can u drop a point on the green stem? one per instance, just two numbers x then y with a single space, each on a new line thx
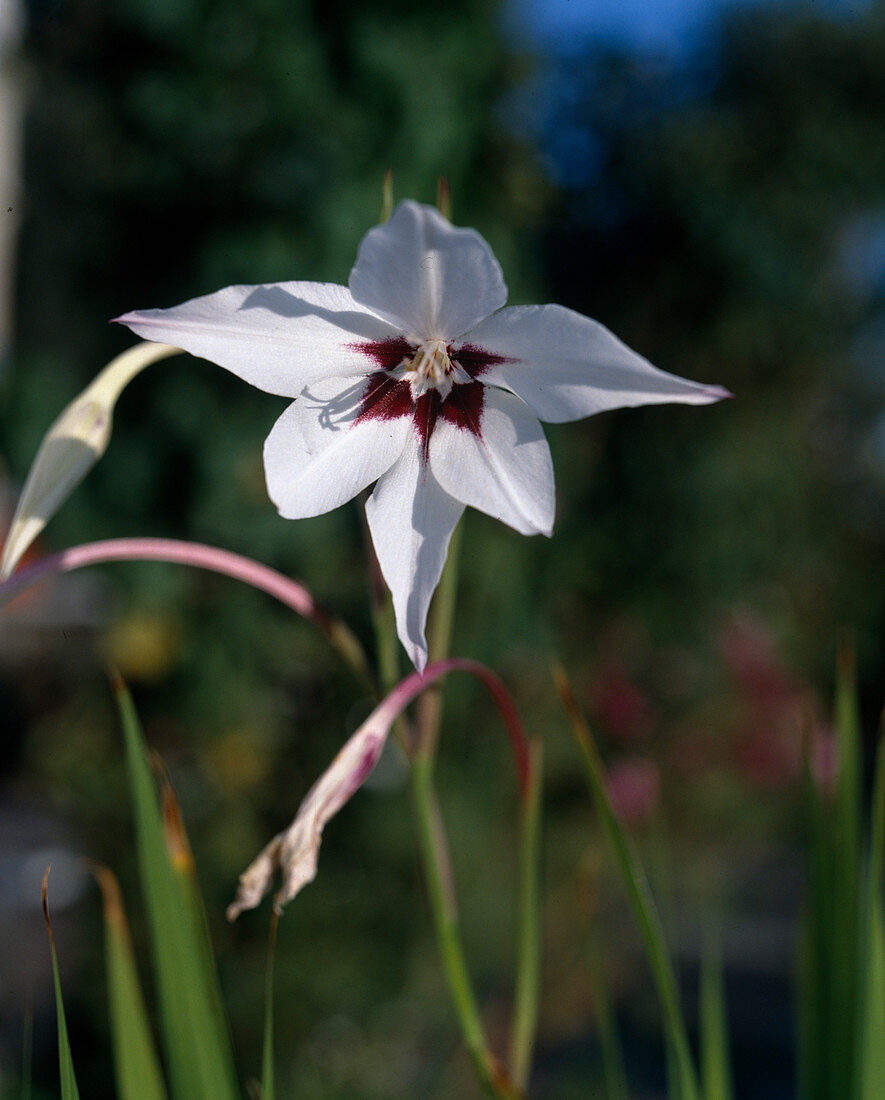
442 903
420 747
684 1084
528 955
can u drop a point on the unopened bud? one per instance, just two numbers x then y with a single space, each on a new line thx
71 447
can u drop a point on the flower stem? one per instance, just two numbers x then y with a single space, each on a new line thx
282 588
683 1079
434 857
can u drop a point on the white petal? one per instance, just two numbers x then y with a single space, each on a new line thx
566 366
429 278
278 337
506 471
411 520
318 456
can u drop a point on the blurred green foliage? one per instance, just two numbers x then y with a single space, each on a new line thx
719 217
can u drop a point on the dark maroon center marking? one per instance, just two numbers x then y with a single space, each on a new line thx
385 398
476 360
385 354
388 398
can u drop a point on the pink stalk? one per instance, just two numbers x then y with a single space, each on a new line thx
211 558
412 686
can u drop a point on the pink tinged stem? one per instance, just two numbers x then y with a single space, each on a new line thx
295 851
414 684
211 558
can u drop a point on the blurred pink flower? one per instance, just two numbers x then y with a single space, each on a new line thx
619 706
824 759
634 787
767 758
773 705
751 657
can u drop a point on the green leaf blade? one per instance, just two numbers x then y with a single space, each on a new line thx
195 1038
67 1077
715 1061
136 1063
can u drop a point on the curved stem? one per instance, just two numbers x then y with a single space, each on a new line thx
291 593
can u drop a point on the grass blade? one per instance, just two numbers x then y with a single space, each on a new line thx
196 1042
67 1077
184 872
847 944
814 1054
715 1062
872 1039
683 1084
135 1059
837 949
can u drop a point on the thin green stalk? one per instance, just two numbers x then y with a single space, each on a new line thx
386 643
420 747
445 917
815 994
528 955
715 1060
871 1030
684 1080
848 943
67 1077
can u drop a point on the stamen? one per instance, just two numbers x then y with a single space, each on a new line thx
431 368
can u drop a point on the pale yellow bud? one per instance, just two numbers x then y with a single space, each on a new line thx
71 447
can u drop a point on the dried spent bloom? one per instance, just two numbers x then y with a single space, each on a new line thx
414 377
294 853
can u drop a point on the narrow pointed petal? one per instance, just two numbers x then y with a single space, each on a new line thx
411 520
322 451
71 447
279 337
426 276
566 366
499 464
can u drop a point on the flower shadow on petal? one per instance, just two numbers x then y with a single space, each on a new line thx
339 413
283 304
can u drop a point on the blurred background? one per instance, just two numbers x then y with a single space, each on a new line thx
706 179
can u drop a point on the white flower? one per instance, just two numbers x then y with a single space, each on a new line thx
414 377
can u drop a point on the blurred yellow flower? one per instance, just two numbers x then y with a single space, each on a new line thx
142 645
